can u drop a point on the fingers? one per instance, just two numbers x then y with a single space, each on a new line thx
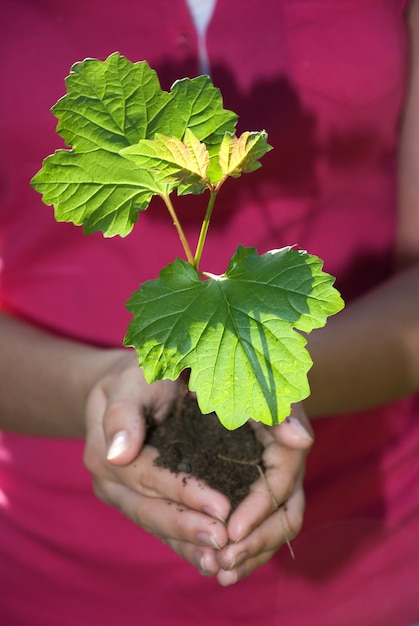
284 467
238 560
144 477
272 513
192 535
139 491
200 556
165 518
285 449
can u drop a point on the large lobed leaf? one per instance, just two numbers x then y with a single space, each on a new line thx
238 333
109 106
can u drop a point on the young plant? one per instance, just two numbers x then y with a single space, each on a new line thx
240 333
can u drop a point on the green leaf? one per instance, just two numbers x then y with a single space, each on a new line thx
196 104
241 154
105 193
238 333
109 106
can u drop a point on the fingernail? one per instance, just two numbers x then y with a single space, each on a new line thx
208 540
200 562
298 427
118 445
230 578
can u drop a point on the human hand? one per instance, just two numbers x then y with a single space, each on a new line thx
188 518
272 514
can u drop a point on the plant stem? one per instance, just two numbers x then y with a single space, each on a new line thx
179 229
204 228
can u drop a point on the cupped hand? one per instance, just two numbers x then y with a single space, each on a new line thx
272 514
187 516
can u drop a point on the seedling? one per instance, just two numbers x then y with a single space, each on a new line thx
240 335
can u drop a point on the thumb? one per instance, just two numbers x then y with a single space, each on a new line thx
296 431
123 423
124 445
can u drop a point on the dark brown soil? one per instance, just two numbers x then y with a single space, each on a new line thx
200 446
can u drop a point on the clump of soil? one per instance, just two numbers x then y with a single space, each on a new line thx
187 441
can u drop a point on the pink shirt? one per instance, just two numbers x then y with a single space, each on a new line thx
327 80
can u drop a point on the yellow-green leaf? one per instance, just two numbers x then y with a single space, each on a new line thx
241 154
173 160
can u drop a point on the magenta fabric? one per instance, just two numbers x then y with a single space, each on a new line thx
326 78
